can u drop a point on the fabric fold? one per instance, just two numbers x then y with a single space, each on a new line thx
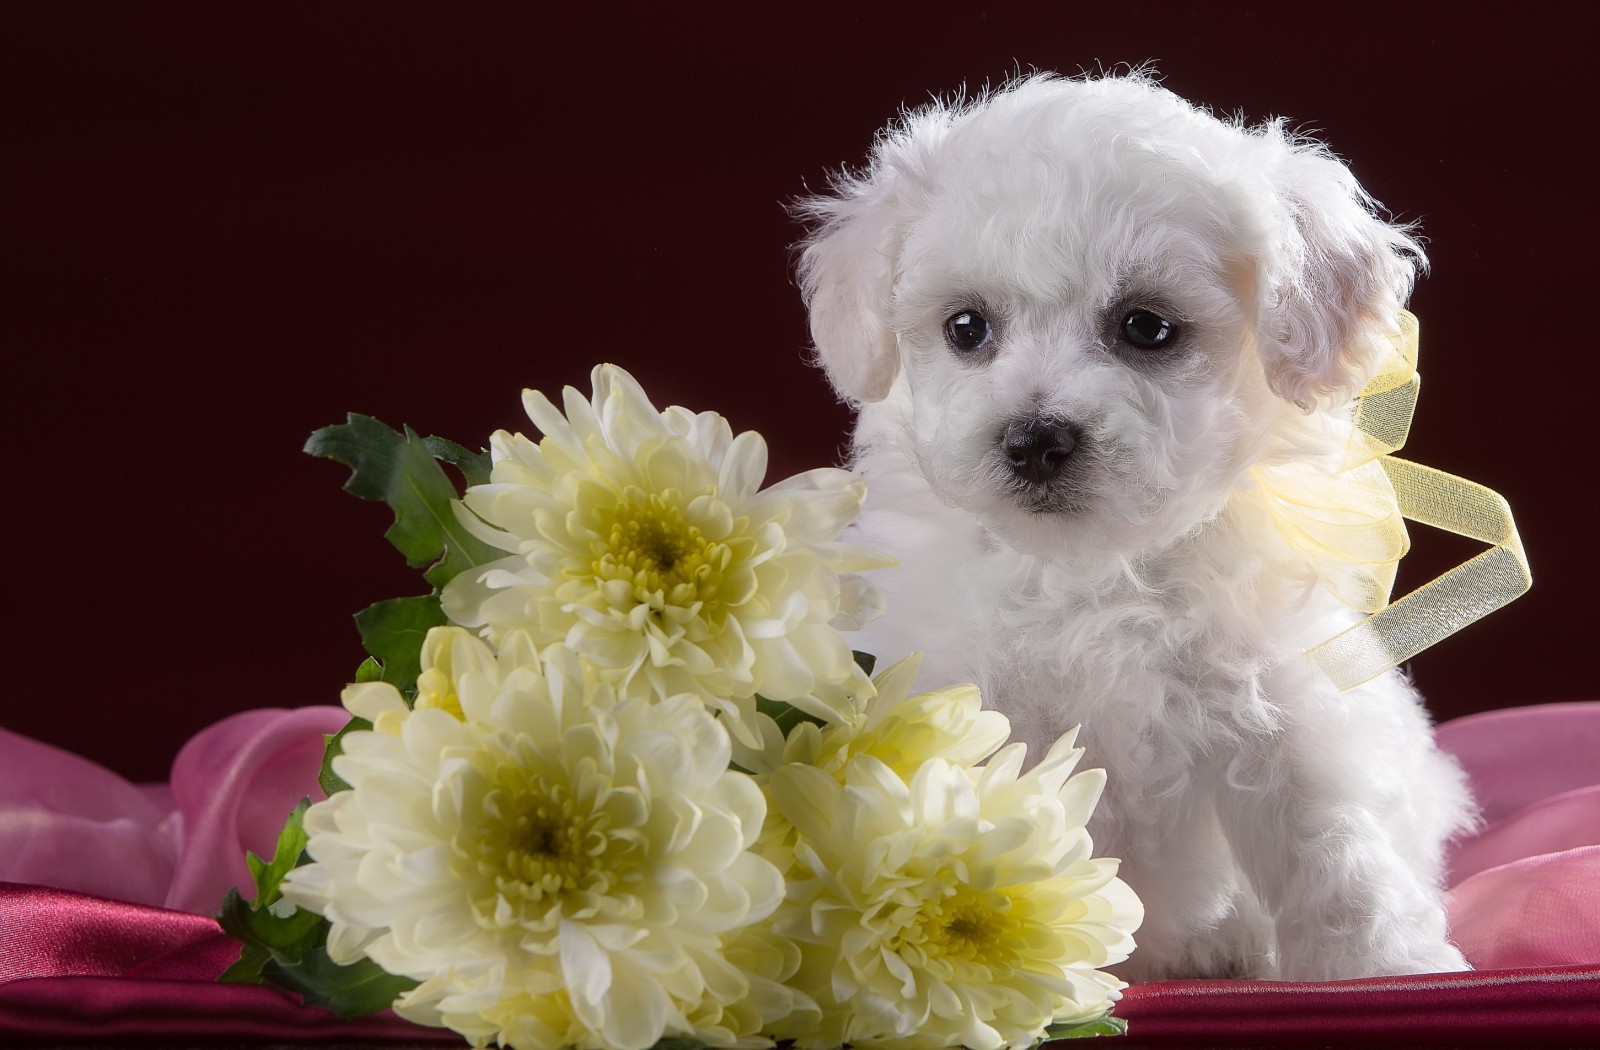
69 823
92 958
234 784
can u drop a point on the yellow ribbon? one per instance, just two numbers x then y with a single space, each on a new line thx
1352 531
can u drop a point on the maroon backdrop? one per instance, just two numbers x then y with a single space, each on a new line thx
227 225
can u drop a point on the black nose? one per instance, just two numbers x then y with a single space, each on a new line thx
1037 449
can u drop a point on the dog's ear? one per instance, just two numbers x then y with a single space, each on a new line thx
847 271
1333 283
850 259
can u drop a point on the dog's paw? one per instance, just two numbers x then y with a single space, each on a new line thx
1331 964
1447 958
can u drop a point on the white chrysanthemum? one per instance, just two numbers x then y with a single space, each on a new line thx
880 719
557 867
959 908
640 539
884 720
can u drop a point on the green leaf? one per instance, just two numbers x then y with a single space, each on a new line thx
287 946
265 933
393 632
332 783
400 469
291 843
363 987
271 924
1105 1024
369 671
252 957
786 714
865 661
474 466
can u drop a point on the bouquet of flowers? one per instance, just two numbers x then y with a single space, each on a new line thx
620 781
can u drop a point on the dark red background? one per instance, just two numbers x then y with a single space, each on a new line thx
226 225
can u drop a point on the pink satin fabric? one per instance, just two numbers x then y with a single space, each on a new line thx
1524 903
1484 1008
89 971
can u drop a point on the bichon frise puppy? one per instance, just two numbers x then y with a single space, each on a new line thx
1078 318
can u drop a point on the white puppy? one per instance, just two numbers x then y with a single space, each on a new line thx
1077 317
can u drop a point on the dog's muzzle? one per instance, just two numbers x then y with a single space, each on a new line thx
1037 450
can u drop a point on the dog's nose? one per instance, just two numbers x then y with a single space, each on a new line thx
1037 449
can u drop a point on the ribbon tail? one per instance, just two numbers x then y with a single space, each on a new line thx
1442 607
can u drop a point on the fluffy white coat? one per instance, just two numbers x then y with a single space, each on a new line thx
1273 826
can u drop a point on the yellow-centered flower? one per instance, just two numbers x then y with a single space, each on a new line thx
642 541
880 719
954 907
557 867
885 720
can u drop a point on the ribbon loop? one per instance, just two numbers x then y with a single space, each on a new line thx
1384 409
1441 607
1396 631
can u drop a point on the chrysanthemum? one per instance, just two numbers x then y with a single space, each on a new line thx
959 907
557 867
883 719
878 718
640 539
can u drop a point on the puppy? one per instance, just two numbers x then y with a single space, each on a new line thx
1082 321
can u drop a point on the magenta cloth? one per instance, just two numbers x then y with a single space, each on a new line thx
1485 1008
87 971
77 967
1525 889
69 823
1517 756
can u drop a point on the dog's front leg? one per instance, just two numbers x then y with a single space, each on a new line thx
1313 826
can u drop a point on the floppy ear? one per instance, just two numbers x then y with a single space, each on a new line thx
850 259
1333 284
847 272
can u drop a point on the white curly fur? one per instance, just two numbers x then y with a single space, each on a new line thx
1273 826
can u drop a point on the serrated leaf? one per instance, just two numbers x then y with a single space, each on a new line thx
1105 1024
474 466
271 924
252 957
287 946
786 714
363 987
291 843
259 928
865 661
393 632
286 931
333 746
399 469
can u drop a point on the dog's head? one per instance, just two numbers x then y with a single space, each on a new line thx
1101 302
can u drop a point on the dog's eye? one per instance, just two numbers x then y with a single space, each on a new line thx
1148 331
967 332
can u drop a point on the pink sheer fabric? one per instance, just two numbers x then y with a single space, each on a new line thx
102 962
68 823
1525 889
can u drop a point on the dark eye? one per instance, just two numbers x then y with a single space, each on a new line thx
968 332
1148 331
